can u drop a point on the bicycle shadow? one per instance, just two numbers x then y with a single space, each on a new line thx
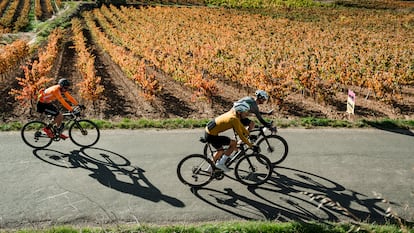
109 169
390 127
295 195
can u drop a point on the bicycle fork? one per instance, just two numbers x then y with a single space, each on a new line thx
83 131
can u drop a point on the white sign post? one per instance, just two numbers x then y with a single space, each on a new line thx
350 107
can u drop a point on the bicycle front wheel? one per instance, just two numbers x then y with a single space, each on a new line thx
274 147
84 133
33 135
195 170
253 169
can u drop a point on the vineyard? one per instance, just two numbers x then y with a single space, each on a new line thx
164 61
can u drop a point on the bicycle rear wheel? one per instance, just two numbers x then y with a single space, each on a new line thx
274 147
33 135
84 133
253 169
195 170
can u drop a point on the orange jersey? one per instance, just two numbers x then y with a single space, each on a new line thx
53 93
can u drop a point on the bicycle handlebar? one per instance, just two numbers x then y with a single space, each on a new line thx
273 129
75 112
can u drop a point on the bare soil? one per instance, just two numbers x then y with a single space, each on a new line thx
123 99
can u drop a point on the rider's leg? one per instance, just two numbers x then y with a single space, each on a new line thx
251 125
218 154
58 120
227 153
218 142
232 147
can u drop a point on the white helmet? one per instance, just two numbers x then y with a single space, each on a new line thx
260 94
241 107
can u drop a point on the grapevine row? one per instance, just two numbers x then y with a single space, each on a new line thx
134 67
23 18
90 87
11 56
7 19
195 76
41 13
37 74
3 6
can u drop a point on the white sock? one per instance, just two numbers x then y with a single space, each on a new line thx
223 159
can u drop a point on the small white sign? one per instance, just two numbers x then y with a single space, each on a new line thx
351 102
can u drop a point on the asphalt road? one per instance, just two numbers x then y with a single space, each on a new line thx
130 177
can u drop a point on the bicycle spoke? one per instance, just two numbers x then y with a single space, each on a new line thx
33 135
274 147
253 170
195 170
84 133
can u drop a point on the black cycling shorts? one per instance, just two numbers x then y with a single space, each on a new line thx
49 109
245 121
217 141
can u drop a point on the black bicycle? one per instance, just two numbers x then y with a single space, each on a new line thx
82 132
251 168
271 145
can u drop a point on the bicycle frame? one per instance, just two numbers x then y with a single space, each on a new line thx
70 117
261 134
241 150
240 153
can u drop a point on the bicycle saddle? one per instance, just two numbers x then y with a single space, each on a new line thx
203 140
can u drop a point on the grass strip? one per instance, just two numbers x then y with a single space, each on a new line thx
232 226
181 123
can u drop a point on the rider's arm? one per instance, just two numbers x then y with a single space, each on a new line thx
71 99
242 132
63 102
255 109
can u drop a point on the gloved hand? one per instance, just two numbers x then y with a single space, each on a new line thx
76 112
253 138
81 106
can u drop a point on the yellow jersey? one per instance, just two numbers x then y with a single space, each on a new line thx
227 121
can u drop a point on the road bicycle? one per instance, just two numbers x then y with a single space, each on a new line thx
251 168
82 132
271 145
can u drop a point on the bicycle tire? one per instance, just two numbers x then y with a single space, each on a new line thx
84 133
253 170
274 147
193 170
33 135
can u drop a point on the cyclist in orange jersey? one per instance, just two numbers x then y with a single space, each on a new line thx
44 105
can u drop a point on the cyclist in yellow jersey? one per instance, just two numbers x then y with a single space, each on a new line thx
228 120
44 104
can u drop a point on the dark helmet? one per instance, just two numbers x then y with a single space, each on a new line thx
64 82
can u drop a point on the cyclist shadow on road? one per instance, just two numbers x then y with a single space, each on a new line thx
108 168
294 195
